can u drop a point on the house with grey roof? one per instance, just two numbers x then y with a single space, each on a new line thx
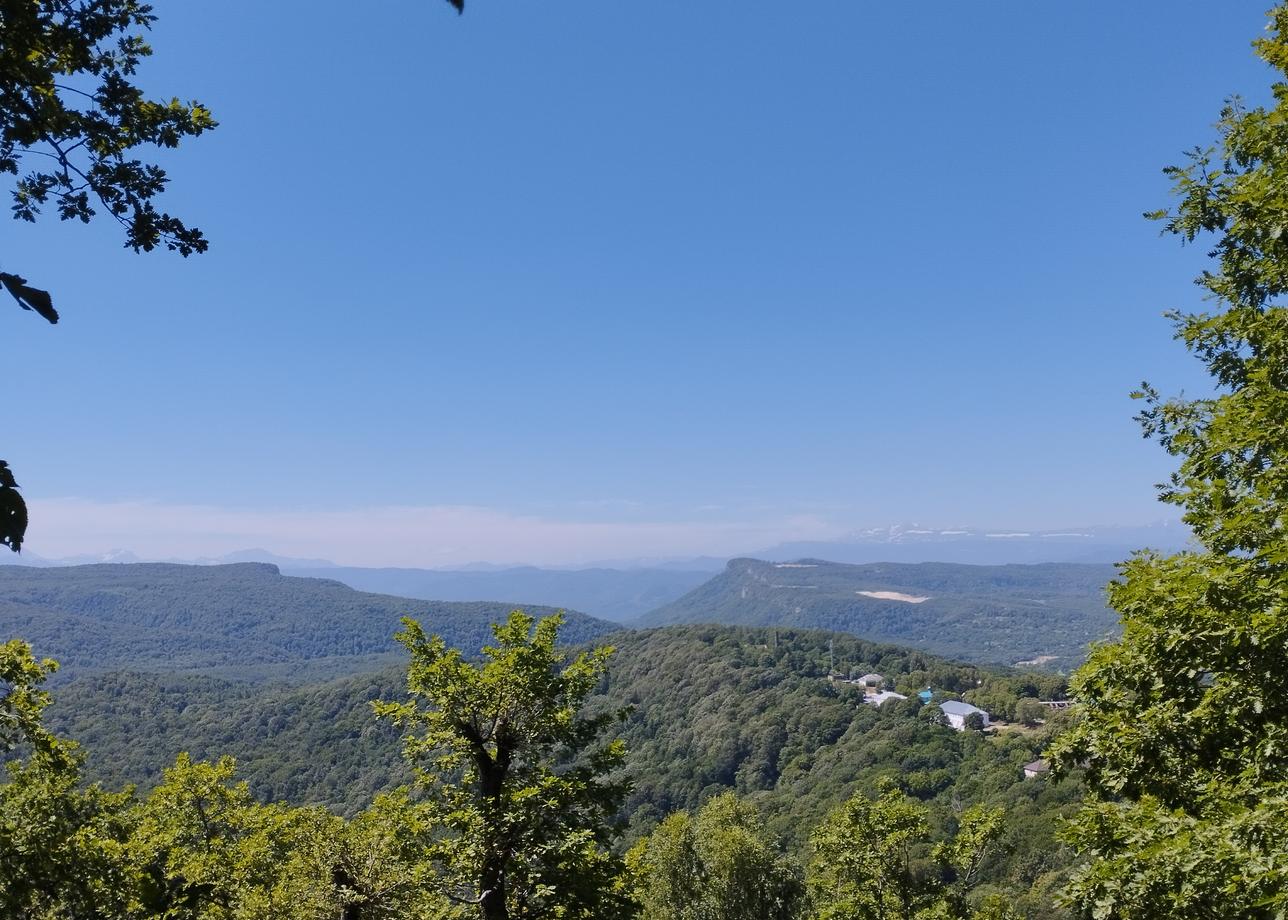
877 699
958 712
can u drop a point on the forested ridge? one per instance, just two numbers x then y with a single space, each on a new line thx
1004 614
244 620
249 621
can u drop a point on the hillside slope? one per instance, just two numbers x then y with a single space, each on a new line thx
614 594
245 620
712 709
995 614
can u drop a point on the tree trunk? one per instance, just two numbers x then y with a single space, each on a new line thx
492 906
492 889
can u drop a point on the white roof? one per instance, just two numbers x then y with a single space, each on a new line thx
956 708
877 699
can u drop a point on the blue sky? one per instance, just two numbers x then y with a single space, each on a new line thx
571 280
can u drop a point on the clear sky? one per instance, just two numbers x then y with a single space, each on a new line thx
565 280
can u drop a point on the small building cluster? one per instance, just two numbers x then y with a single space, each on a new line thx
871 685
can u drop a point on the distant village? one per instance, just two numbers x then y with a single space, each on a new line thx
957 715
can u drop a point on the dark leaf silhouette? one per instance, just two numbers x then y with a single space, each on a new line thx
13 510
29 298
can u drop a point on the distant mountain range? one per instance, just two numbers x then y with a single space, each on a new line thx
624 589
245 620
976 546
251 620
615 594
1036 615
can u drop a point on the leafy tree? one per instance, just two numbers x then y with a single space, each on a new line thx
205 848
72 120
868 861
379 865
22 700
862 860
517 783
1185 720
978 831
717 866
995 697
1030 711
62 845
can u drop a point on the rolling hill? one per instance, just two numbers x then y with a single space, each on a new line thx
1033 614
244 620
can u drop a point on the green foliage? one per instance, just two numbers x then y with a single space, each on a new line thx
516 778
1029 711
316 744
862 860
721 865
201 846
22 701
994 614
61 844
67 97
1185 727
713 710
64 847
203 843
870 861
978 830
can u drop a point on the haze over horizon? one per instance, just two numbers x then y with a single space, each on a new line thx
773 294
417 537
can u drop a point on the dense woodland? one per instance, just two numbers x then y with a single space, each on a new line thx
713 709
245 620
997 614
708 712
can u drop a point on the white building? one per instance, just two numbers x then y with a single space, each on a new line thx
877 699
871 680
957 713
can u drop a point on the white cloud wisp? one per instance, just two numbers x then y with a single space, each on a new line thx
429 536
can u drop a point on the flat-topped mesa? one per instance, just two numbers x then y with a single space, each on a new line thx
1044 614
